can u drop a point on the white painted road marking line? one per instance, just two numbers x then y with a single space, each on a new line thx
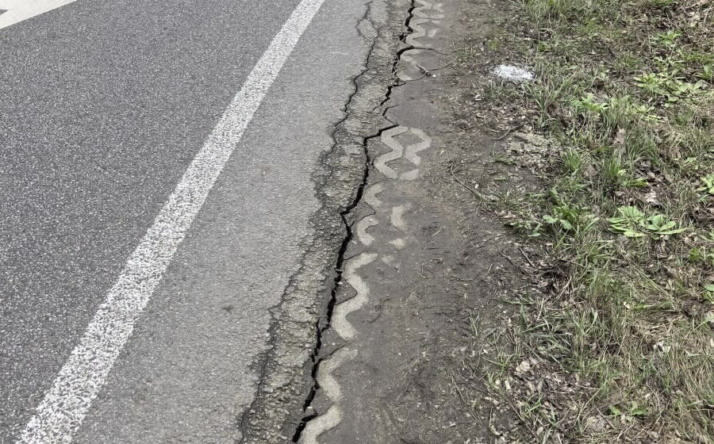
65 405
19 10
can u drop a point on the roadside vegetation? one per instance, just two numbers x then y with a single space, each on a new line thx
620 346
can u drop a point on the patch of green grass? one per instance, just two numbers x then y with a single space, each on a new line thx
627 88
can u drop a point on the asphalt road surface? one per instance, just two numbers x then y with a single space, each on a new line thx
155 183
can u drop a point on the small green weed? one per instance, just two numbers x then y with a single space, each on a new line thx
668 39
573 220
708 182
668 86
589 104
633 223
707 73
709 293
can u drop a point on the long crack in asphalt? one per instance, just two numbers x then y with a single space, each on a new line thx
318 357
289 370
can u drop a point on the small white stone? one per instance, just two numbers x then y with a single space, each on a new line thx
513 73
523 368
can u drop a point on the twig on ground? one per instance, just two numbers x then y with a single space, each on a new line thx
473 191
513 263
508 133
527 258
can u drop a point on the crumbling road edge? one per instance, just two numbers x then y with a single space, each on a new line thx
289 371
